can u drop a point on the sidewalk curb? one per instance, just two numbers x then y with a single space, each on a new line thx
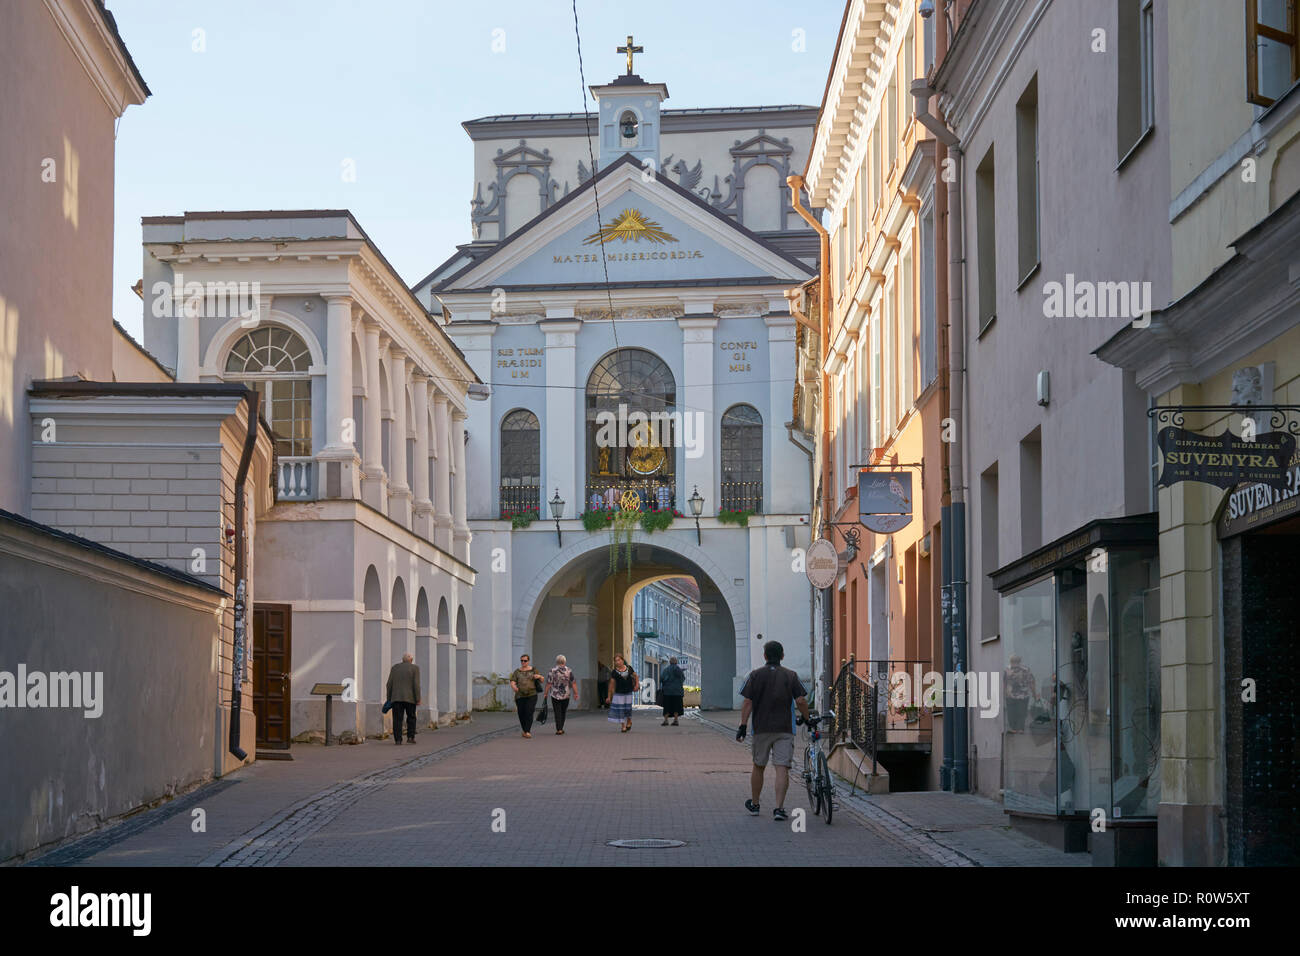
851 803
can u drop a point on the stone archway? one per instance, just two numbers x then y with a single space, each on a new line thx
665 555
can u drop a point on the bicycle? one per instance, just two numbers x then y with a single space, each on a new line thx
816 775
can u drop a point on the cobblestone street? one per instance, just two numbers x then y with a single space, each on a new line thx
563 799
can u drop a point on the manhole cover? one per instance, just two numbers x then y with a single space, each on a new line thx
643 758
645 844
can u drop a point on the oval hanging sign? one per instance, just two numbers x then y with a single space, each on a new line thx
821 563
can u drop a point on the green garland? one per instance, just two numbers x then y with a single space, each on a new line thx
739 518
657 520
597 519
621 528
520 519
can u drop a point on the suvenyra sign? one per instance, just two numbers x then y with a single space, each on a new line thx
1224 460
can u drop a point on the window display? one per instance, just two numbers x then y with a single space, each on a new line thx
1081 688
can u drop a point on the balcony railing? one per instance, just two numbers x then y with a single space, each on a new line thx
741 496
646 625
867 713
655 492
293 480
516 498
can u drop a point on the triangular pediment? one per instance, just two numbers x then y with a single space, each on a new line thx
653 230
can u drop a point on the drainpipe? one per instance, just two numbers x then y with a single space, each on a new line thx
811 452
955 772
252 399
796 183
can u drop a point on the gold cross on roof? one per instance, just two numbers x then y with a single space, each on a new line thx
629 50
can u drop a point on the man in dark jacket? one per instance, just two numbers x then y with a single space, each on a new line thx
404 694
672 683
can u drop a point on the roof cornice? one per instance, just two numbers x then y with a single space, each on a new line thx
90 31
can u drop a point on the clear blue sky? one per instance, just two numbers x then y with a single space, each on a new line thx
286 90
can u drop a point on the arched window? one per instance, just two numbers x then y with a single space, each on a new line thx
631 429
742 459
521 462
275 361
628 127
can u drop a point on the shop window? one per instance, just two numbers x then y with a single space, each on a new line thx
1081 688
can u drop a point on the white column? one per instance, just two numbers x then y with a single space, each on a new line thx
697 412
460 526
561 428
399 492
374 489
481 494
340 473
442 517
785 488
423 516
187 349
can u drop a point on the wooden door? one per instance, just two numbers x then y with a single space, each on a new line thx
272 645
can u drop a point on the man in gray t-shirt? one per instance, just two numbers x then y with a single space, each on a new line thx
771 693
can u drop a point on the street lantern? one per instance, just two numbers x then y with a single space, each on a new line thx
557 512
697 508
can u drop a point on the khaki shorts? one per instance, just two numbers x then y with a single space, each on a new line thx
779 746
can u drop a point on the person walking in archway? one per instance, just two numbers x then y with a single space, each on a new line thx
672 681
562 686
771 693
602 685
526 682
623 685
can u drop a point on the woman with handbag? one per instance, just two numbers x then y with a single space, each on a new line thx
526 682
623 685
562 686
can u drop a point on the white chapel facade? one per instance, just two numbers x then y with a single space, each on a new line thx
638 271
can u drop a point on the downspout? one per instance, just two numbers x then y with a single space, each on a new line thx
955 772
253 399
811 452
796 183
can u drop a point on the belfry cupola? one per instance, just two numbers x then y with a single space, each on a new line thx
629 114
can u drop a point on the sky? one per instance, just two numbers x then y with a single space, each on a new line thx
259 105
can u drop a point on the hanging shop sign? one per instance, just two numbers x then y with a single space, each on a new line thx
821 563
1253 506
1224 460
885 500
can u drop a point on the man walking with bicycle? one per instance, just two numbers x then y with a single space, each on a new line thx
771 694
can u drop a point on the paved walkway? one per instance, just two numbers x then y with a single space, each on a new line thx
477 794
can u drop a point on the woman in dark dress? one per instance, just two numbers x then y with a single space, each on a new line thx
672 681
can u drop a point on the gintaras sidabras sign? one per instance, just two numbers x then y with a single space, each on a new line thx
1224 460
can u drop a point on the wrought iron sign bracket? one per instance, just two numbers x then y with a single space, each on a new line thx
1280 416
883 466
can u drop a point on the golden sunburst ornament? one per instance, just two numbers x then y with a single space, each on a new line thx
630 225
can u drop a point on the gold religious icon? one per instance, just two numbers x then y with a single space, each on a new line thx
631 501
645 458
629 50
604 462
